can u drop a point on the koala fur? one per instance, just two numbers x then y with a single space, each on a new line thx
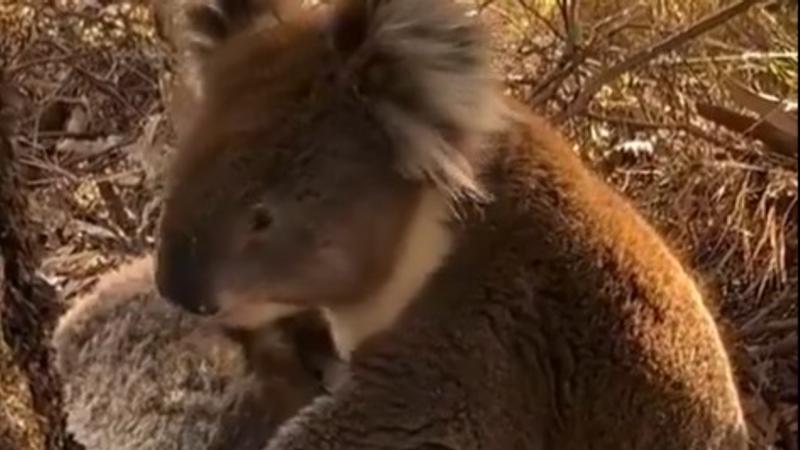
488 290
141 374
525 338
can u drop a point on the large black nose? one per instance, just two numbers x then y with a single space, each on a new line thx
181 276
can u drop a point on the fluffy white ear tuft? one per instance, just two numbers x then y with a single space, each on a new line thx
425 65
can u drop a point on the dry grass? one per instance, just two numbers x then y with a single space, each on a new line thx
95 133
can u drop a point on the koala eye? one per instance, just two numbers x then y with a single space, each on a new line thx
260 219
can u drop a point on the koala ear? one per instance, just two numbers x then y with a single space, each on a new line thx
425 67
207 24
349 27
211 22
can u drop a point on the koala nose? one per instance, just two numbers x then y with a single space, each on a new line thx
180 277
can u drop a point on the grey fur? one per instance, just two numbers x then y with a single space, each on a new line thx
141 374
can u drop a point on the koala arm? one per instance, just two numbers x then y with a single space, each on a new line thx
363 413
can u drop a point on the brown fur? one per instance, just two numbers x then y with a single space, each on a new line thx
516 301
591 336
140 374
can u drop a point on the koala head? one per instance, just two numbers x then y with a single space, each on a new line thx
316 139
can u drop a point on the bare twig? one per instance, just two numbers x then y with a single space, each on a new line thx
531 11
572 59
107 88
645 125
778 325
572 25
733 58
544 89
612 21
778 141
783 347
769 109
754 322
24 66
115 206
647 53
83 135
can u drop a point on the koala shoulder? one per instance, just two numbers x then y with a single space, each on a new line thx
140 374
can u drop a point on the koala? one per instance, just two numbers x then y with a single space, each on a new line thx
486 289
141 374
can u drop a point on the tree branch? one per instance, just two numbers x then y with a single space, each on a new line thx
777 140
647 53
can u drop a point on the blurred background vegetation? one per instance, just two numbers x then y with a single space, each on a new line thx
688 106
